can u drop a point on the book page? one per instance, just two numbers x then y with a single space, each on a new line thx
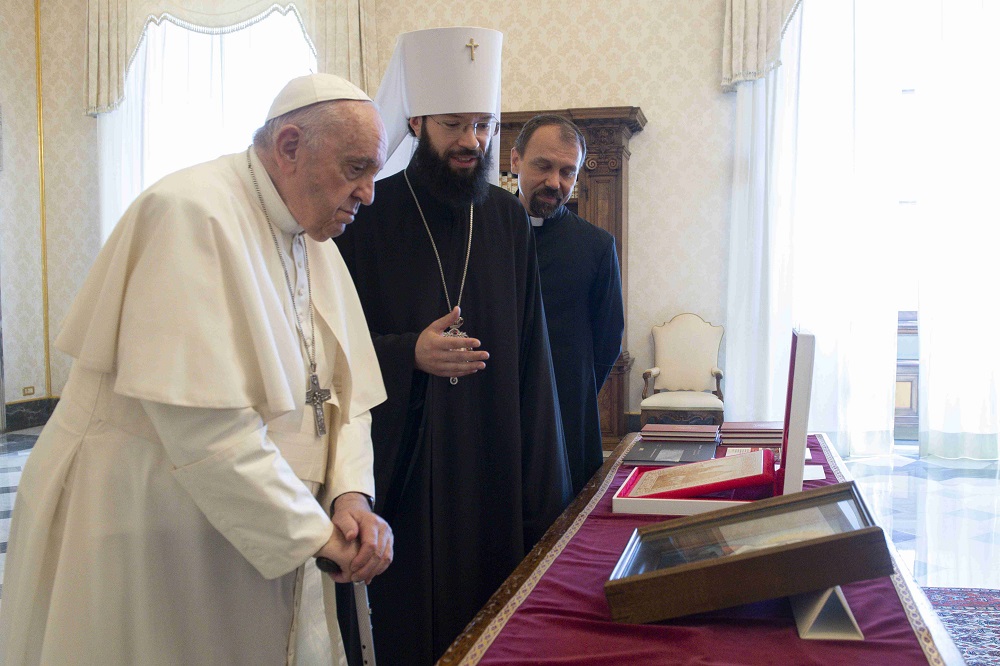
737 450
699 474
771 531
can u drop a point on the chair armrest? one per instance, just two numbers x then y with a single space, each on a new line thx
646 376
717 373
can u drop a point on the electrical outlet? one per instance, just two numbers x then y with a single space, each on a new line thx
28 390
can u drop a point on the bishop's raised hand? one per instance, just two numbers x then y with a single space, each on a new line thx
448 355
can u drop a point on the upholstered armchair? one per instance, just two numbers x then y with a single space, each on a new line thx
685 386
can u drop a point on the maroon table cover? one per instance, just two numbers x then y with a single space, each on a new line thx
560 615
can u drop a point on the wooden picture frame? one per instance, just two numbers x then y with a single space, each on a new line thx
770 548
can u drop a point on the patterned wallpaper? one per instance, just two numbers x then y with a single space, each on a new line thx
71 184
660 55
70 140
20 258
663 56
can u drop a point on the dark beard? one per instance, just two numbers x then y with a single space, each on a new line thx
543 209
445 184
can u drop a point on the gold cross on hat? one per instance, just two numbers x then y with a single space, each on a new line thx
472 46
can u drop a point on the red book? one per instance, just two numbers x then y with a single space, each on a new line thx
703 478
678 438
751 426
772 434
750 441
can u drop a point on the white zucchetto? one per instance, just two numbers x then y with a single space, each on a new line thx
311 89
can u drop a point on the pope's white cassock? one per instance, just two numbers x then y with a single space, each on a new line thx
167 510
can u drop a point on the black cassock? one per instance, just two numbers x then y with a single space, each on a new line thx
470 475
582 290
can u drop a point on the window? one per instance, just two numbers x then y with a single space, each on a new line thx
193 94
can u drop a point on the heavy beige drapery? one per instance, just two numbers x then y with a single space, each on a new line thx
752 37
340 31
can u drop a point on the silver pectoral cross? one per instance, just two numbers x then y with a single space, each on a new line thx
454 332
316 396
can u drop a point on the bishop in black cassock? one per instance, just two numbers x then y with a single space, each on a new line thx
582 290
468 475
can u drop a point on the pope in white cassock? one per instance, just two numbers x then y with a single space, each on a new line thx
215 418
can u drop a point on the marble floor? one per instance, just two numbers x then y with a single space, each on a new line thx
943 515
14 450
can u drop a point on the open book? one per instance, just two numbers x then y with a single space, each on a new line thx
702 478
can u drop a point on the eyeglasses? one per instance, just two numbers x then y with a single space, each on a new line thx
482 128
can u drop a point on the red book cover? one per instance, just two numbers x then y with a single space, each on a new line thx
679 437
751 426
763 434
750 441
703 478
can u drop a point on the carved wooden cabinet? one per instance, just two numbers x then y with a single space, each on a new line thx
601 197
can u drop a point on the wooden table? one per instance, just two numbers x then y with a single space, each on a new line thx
511 629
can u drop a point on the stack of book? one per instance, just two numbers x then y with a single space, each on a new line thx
751 433
737 437
671 432
669 444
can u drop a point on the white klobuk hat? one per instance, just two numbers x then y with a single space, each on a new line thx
436 71
311 89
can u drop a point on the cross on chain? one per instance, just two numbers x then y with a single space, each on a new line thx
472 46
316 396
454 332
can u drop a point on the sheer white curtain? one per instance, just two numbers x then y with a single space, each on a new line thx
812 251
958 319
120 161
763 67
193 94
758 320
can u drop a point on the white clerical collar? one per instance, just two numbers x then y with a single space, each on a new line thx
278 212
536 221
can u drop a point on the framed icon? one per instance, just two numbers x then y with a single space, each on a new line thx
770 548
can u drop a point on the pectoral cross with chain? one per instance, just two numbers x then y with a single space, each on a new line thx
316 396
454 332
472 46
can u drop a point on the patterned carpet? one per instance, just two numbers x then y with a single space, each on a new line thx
972 617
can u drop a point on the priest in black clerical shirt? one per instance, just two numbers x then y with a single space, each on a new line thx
581 282
470 464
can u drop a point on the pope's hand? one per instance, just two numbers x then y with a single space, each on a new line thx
445 355
368 534
342 552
